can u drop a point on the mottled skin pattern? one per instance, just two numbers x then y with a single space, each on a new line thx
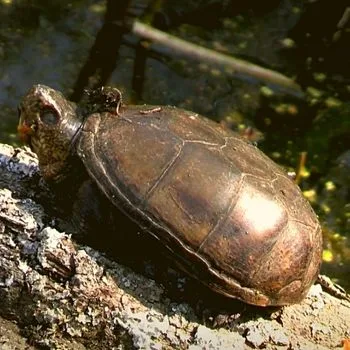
228 215
52 160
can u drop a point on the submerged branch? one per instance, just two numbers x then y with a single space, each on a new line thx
230 64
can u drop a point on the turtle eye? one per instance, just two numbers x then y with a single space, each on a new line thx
49 117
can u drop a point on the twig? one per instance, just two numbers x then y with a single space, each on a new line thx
232 65
301 166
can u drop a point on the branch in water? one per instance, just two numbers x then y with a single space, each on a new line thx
230 64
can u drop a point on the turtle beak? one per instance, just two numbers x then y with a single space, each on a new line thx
25 130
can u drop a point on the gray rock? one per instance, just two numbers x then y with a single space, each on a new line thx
65 295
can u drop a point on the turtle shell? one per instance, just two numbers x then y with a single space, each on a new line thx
229 215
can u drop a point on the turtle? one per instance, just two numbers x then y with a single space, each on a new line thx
224 211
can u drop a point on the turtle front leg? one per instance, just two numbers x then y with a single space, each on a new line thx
88 212
97 222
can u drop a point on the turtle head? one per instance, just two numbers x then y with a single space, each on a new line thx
49 125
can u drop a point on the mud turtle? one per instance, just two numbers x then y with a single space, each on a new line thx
228 214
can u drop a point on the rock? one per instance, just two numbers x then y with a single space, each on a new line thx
60 294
